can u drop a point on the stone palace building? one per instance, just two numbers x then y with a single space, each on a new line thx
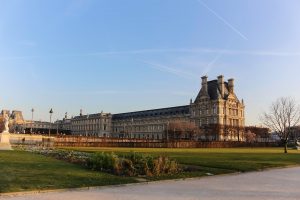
216 111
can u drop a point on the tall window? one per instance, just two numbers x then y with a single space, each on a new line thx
214 110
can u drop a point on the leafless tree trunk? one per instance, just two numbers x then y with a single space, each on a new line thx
284 114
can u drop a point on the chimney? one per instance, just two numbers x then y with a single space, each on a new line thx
231 85
221 85
80 112
204 84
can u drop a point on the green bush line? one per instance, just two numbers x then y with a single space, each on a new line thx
131 164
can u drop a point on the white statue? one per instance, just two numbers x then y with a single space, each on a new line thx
5 136
6 122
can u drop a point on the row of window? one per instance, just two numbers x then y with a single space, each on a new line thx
90 121
214 120
89 127
177 112
139 128
215 110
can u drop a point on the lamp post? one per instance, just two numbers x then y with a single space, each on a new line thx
50 112
57 126
131 128
32 111
168 123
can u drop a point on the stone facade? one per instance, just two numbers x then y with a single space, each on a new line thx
16 120
148 124
218 109
217 112
92 125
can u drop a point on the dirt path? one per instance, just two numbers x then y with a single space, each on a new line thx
268 185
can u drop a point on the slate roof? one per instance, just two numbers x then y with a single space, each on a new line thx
91 116
178 110
214 92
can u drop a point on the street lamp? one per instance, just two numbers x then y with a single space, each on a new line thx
57 127
32 111
50 112
168 123
131 128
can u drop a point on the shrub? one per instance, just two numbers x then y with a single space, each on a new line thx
132 164
104 162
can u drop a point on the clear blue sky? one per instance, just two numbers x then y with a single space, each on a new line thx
127 55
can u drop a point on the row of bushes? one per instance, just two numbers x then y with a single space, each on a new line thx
132 164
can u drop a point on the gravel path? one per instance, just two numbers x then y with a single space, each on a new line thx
268 185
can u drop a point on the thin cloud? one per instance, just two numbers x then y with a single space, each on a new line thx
223 20
199 50
210 65
171 50
170 70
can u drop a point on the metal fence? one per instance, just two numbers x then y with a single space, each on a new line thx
82 141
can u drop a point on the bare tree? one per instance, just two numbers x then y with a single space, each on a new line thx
284 114
179 129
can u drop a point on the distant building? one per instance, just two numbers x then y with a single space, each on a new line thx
38 127
216 111
294 133
16 118
91 125
262 134
148 124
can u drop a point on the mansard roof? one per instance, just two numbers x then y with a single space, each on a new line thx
214 92
179 110
91 116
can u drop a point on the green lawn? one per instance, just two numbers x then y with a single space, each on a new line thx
24 171
218 161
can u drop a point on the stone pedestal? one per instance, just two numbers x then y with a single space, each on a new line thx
4 141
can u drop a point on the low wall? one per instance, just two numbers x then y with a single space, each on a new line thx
80 141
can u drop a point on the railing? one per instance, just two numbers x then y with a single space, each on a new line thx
82 141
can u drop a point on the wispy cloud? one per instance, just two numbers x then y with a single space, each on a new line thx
210 65
223 52
170 70
223 20
200 51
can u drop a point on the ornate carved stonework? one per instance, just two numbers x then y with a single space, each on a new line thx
4 136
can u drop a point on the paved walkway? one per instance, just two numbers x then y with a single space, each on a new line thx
268 185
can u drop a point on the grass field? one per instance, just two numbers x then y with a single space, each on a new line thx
217 161
24 171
